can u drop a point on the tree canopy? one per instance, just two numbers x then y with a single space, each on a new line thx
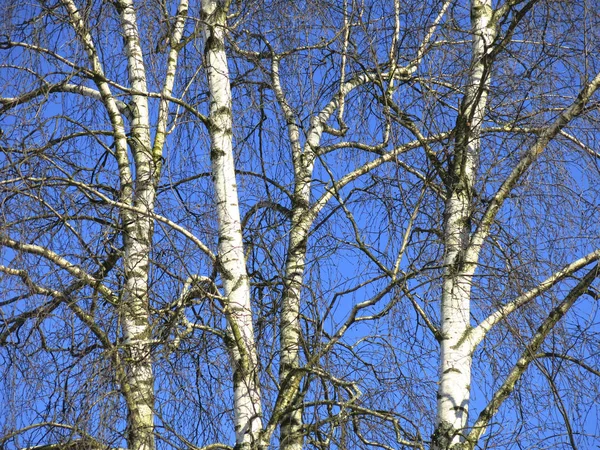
349 224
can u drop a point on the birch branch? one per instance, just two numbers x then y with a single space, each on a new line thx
528 355
163 109
61 262
367 167
477 334
526 161
88 190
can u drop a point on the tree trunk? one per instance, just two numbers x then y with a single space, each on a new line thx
292 437
139 229
455 354
247 397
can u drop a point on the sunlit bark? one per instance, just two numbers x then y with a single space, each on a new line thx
399 166
455 357
232 261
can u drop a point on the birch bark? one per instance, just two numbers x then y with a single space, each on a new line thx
139 228
136 379
291 437
289 339
247 396
291 433
135 372
455 356
462 247
302 217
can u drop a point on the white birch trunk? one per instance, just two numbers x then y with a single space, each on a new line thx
139 228
455 354
292 437
291 432
136 377
291 426
247 397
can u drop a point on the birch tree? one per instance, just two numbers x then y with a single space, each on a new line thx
232 260
322 225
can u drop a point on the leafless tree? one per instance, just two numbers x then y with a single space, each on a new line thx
340 224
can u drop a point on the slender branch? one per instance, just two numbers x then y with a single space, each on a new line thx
94 192
526 161
61 262
576 361
528 355
8 103
367 167
477 334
